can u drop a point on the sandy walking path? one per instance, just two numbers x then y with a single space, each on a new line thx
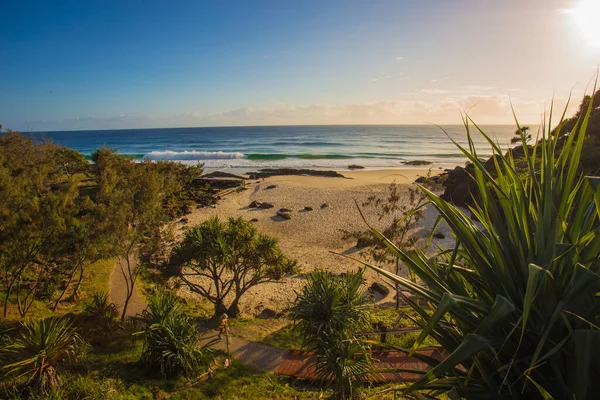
118 289
261 356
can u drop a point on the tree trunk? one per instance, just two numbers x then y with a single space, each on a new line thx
220 309
397 284
234 309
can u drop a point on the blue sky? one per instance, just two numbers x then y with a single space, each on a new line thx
119 64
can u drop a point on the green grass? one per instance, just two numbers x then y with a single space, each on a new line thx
285 338
95 280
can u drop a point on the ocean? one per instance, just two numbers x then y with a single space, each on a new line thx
327 147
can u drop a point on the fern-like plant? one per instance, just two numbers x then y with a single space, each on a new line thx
516 303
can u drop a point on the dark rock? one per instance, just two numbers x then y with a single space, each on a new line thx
284 210
265 206
308 208
379 288
439 236
254 220
220 175
416 162
283 215
255 204
267 313
271 187
324 205
354 166
265 173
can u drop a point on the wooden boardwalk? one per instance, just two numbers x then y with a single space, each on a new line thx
389 366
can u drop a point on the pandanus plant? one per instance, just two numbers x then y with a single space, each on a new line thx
516 302
39 351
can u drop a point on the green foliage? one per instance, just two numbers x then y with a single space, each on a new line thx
590 162
100 314
515 303
39 350
327 313
232 257
170 339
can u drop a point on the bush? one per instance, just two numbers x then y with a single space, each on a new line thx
40 349
327 313
170 338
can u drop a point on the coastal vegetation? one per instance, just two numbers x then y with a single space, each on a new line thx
515 302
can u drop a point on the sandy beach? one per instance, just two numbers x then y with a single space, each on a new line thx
311 236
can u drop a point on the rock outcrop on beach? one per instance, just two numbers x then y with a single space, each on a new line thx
265 173
460 187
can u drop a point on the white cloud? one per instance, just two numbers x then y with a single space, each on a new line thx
399 58
439 79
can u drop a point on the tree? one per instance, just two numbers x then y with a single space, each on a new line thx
327 313
522 135
515 303
38 205
406 213
216 259
131 195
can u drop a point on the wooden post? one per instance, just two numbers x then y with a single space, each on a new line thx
227 339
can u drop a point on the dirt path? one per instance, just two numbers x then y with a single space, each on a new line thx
118 289
261 356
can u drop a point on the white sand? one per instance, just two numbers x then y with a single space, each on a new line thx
310 236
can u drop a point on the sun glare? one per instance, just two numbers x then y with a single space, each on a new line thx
585 14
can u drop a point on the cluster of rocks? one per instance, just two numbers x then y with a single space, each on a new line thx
284 213
459 186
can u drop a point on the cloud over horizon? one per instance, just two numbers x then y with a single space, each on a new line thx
484 109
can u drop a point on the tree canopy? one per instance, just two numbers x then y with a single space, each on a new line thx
217 259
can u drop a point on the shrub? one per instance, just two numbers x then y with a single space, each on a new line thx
170 338
100 315
327 313
39 351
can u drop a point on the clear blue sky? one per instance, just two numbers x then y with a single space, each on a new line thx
132 63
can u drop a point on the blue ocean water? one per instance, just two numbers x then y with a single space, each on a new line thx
372 146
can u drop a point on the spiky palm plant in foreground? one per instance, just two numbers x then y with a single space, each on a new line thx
327 313
39 349
517 302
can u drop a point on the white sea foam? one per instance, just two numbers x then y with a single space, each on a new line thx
192 155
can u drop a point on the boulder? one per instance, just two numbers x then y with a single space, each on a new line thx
283 215
324 205
354 166
254 204
265 206
267 313
254 220
271 187
379 288
439 236
284 210
308 208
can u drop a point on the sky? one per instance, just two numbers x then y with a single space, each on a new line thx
144 64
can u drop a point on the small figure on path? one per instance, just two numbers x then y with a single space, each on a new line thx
223 326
